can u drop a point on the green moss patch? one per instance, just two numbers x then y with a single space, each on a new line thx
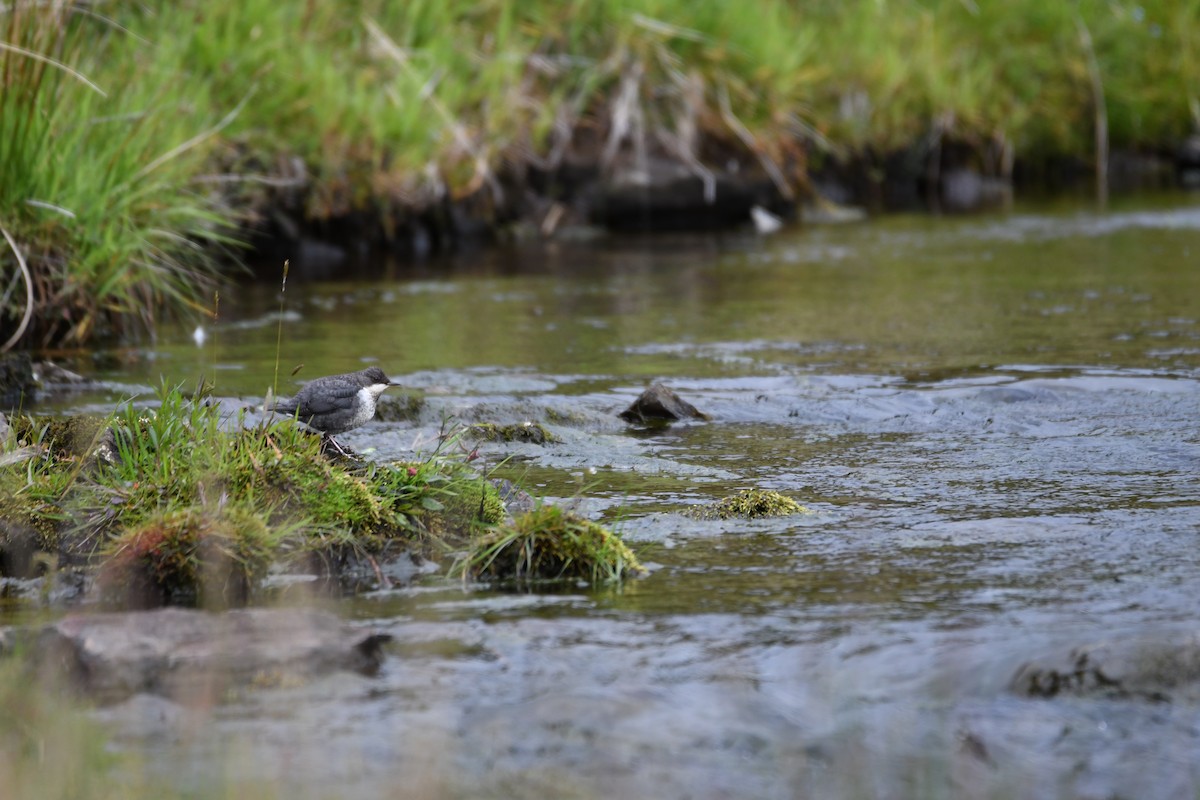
750 504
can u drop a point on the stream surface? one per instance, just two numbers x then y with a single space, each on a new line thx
994 423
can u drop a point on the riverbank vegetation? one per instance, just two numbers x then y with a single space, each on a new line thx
140 141
178 504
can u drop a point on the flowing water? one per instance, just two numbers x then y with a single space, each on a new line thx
993 422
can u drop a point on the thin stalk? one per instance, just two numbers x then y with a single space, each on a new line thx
279 329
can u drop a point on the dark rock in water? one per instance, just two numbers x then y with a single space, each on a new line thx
16 379
1187 162
968 190
1165 668
18 545
658 404
1130 170
193 655
53 376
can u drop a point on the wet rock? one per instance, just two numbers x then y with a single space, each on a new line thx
1159 668
16 379
658 404
53 376
968 190
18 546
1187 162
1129 171
191 655
524 432
516 500
404 406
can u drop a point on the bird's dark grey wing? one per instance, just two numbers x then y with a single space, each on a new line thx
327 398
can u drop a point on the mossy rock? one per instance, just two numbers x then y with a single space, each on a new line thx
477 502
188 557
548 543
400 407
526 432
65 436
750 504
29 517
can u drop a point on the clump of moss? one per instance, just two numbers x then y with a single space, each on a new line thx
549 543
65 436
339 498
750 504
188 557
475 502
527 432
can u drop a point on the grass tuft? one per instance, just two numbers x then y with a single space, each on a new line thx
548 543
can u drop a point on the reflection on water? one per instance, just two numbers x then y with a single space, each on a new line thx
993 421
901 296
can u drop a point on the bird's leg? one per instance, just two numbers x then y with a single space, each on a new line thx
337 446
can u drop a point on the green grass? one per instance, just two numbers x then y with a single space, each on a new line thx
130 161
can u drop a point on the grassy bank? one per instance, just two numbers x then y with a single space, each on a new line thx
136 139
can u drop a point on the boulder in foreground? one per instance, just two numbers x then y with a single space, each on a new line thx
195 656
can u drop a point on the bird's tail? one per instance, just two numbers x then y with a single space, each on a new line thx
283 405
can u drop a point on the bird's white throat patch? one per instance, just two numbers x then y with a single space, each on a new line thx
364 405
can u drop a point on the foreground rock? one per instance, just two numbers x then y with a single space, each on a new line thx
1142 667
193 656
660 404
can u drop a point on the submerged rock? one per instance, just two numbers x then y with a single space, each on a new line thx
1162 668
524 432
193 655
658 404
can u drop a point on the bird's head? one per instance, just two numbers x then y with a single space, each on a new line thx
374 379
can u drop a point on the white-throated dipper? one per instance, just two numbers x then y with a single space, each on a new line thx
337 403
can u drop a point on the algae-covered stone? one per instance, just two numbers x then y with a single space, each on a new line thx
527 432
66 436
549 543
751 504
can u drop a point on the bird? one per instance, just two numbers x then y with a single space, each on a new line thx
337 403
